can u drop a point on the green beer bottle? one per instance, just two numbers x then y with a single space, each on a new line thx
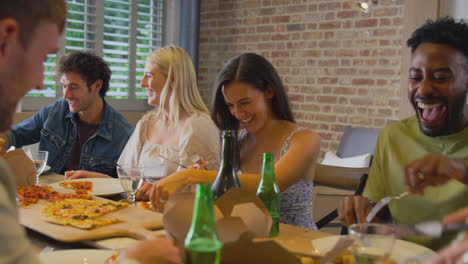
227 174
268 192
202 245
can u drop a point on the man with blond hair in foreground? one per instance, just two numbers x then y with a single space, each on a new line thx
26 37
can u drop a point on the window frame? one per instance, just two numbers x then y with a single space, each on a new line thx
131 103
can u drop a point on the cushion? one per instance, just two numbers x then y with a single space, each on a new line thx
361 161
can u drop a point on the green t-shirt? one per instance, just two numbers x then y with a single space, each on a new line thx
399 144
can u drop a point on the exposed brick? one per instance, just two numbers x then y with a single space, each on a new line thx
361 101
330 25
330 62
325 118
310 107
326 108
385 22
312 53
280 19
385 112
363 82
296 9
280 37
329 44
330 16
327 99
295 27
348 14
384 32
327 80
345 71
267 11
346 53
383 12
367 22
265 28
363 91
329 6
344 91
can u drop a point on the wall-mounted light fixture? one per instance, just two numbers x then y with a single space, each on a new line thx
365 5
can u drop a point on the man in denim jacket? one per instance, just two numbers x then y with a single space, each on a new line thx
81 130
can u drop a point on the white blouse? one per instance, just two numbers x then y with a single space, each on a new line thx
199 140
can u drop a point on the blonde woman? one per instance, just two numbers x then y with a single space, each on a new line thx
179 132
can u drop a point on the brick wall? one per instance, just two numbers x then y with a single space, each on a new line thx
340 66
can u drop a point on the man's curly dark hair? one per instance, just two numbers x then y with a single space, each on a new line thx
90 66
445 30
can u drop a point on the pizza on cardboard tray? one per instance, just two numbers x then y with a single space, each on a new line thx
74 209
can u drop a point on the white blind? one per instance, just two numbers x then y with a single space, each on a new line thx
123 32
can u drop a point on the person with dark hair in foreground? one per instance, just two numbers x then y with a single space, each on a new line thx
437 90
81 131
25 42
248 94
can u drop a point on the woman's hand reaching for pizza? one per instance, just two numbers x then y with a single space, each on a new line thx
166 186
70 175
143 194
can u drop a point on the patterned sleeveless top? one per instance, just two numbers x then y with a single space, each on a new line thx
296 201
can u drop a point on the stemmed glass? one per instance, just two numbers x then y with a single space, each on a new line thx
372 242
40 162
130 179
152 173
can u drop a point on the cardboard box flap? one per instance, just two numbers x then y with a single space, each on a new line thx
21 166
230 228
247 251
256 219
237 196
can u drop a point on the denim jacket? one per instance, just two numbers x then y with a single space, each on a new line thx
54 127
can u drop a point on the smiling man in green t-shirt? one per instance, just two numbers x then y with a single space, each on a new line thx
437 90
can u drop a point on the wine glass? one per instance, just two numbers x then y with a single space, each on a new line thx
372 242
130 179
152 173
40 161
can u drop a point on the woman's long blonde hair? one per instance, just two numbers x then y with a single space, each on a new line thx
176 65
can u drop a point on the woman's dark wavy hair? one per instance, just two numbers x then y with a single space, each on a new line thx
255 70
445 30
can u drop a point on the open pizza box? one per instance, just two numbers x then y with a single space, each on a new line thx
21 166
243 225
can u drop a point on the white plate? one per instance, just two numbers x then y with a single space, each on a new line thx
116 243
401 249
76 256
101 186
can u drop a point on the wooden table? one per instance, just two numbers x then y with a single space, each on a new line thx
40 241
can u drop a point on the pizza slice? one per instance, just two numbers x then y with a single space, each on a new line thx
145 205
78 186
